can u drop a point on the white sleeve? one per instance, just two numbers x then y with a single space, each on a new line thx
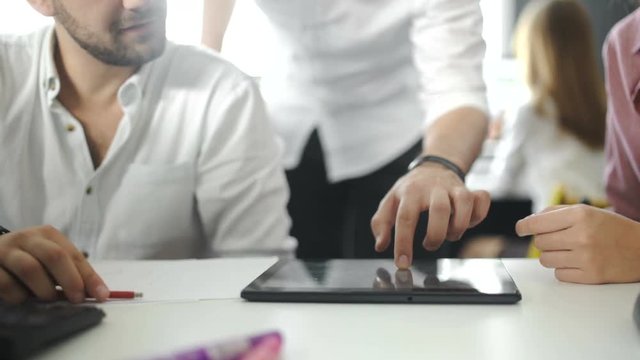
448 53
242 192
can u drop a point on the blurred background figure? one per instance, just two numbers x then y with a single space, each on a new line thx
556 140
549 149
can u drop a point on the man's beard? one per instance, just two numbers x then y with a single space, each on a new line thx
115 51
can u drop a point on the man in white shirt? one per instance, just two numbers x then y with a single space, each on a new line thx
344 95
130 147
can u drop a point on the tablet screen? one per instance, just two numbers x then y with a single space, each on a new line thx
469 277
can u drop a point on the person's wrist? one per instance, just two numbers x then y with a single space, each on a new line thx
438 161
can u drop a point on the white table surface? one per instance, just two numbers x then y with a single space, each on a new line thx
554 320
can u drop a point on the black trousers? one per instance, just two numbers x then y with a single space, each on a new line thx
333 220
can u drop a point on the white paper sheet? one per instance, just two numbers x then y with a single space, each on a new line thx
182 280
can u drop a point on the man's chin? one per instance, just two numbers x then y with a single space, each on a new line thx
155 51
140 55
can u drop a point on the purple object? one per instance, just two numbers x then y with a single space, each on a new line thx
232 349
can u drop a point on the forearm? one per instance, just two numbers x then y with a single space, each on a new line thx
457 136
216 15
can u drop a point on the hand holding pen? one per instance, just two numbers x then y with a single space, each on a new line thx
36 260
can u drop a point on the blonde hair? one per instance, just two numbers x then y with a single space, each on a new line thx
554 40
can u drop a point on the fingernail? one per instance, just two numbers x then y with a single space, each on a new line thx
403 262
102 292
430 246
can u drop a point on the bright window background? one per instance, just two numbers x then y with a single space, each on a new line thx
184 22
248 36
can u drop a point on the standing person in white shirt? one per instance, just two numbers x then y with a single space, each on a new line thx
557 139
130 147
360 88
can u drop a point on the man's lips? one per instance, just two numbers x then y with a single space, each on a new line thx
137 26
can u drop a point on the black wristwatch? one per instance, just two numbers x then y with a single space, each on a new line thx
437 159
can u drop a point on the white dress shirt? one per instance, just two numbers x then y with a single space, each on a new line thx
193 169
369 75
537 156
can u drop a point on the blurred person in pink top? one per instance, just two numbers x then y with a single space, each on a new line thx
589 245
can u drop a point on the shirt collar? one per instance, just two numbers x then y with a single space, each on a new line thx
129 94
131 91
50 79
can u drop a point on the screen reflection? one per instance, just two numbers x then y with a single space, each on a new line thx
448 275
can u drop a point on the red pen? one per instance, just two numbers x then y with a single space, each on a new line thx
124 295
121 294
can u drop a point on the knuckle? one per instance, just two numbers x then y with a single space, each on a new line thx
28 233
440 206
10 241
376 221
461 194
405 218
48 230
582 212
44 231
77 257
583 241
410 186
54 256
538 243
481 195
27 269
544 260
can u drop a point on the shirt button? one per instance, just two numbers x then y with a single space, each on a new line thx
89 190
70 127
129 95
51 84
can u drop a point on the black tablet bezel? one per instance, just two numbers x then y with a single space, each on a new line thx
254 292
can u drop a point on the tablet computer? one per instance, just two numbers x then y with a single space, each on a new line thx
442 281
